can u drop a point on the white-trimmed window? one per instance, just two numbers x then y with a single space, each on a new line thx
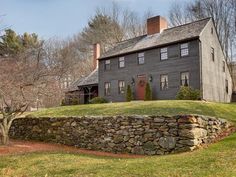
141 59
107 64
223 66
164 53
184 79
107 88
164 82
212 54
184 49
226 86
121 62
121 87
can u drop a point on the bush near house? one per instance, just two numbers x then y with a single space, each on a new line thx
74 101
129 96
98 100
63 103
148 92
188 93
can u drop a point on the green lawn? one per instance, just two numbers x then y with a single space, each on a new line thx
173 107
217 160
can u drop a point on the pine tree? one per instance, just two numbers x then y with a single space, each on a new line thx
148 92
129 96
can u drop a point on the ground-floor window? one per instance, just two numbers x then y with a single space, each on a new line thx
184 79
226 86
164 82
107 88
121 87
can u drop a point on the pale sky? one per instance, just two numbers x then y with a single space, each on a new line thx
63 18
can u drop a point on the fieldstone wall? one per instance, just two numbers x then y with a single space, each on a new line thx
150 135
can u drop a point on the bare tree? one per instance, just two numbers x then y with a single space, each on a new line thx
68 63
21 78
178 14
131 23
222 13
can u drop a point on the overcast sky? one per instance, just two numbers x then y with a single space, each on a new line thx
63 18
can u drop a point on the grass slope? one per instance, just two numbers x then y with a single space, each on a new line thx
217 160
173 107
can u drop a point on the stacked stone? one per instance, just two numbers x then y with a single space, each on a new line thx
149 135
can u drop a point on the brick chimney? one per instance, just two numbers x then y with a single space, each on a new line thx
96 55
156 25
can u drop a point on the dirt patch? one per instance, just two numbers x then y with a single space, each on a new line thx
21 147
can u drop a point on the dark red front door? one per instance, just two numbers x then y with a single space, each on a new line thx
140 87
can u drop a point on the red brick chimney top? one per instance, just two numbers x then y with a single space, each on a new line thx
96 55
156 25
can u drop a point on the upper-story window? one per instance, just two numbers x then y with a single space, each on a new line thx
226 86
212 54
141 59
184 79
121 87
164 82
107 64
121 62
212 31
184 50
164 53
223 66
107 88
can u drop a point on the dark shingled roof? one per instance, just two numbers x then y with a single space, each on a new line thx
171 35
91 79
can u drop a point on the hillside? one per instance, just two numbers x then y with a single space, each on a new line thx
173 107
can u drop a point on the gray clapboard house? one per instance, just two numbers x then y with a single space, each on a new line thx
233 71
83 89
167 58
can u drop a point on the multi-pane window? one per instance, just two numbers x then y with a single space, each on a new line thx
164 53
184 79
184 50
121 87
164 82
121 62
223 66
226 86
212 54
107 88
107 64
141 59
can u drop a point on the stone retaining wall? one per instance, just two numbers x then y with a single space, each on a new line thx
124 134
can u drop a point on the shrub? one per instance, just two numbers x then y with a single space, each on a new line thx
188 93
74 101
148 92
63 103
129 95
98 100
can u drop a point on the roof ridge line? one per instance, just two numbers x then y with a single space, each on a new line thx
188 23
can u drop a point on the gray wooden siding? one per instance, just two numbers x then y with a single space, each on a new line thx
155 67
213 77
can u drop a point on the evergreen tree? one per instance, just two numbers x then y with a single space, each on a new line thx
148 92
129 96
12 44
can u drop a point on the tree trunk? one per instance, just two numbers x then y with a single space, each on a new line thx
4 131
5 139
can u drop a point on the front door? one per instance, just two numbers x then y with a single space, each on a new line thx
140 87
